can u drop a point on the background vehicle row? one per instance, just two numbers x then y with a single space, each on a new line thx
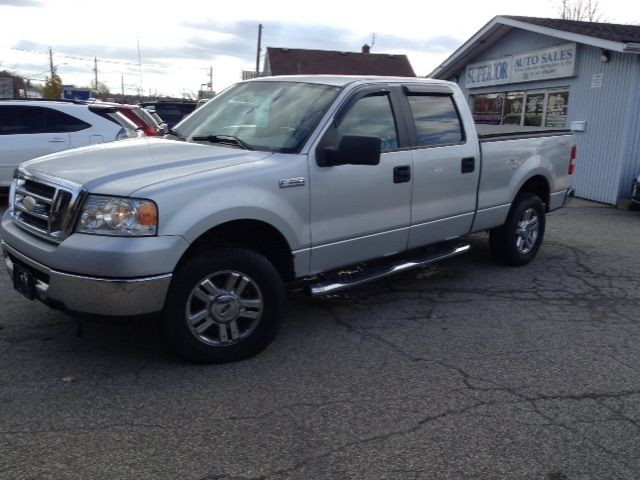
33 128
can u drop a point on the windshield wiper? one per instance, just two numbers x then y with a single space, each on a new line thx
228 139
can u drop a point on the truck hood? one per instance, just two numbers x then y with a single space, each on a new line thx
121 168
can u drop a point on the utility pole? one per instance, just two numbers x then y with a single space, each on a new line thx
95 71
122 86
51 63
140 91
211 79
259 50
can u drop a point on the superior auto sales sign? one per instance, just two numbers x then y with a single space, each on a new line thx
553 62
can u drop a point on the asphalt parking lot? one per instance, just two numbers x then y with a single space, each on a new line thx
463 370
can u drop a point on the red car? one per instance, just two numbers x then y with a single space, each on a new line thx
141 118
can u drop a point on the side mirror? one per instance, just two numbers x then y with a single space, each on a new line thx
354 150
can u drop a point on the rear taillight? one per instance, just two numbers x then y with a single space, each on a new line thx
572 162
148 131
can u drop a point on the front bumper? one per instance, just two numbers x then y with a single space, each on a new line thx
86 294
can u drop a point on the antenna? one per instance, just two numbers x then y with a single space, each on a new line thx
373 39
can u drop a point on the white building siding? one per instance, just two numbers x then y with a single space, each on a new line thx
608 151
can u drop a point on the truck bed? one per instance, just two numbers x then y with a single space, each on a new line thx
489 133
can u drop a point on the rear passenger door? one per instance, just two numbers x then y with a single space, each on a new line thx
446 166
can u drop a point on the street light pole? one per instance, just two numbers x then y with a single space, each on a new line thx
95 71
51 68
258 51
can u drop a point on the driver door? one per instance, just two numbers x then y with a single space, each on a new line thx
361 212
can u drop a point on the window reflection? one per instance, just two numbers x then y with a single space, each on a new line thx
373 117
436 120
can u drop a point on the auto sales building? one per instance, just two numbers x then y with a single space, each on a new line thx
561 73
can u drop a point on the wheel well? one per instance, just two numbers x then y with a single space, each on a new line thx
539 186
253 234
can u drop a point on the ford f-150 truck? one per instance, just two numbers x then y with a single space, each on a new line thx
320 182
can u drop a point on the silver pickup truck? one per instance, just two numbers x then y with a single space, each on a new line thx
319 182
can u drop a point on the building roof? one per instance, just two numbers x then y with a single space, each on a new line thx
606 31
298 61
609 36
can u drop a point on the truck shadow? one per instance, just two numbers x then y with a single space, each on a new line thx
138 341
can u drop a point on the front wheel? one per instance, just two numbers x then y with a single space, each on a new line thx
517 241
224 305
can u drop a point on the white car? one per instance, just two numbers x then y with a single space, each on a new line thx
32 128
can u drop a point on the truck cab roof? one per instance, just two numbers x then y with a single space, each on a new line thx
343 80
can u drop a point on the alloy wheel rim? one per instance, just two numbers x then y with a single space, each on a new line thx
527 231
224 308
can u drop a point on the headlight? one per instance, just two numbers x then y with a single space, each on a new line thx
118 216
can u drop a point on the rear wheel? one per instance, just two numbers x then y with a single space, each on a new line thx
517 241
224 305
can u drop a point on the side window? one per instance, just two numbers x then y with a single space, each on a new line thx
22 120
187 108
59 122
373 117
436 120
26 119
169 113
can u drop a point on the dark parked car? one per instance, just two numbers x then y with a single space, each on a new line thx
170 112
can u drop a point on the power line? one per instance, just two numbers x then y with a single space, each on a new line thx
91 59
85 59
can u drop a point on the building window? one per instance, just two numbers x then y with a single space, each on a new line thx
557 104
535 108
513 105
488 108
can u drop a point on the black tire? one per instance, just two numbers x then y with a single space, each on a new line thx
503 241
263 284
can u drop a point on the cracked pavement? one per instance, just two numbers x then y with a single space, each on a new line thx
462 370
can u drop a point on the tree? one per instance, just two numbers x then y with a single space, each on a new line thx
582 10
53 87
101 88
18 82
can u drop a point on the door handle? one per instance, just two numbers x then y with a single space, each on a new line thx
468 165
57 140
401 174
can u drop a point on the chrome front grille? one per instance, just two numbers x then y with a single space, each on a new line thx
44 205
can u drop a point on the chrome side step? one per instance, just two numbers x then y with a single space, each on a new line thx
337 282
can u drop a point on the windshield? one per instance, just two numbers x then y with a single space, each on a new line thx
271 116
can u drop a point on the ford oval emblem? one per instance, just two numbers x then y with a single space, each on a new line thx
29 203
